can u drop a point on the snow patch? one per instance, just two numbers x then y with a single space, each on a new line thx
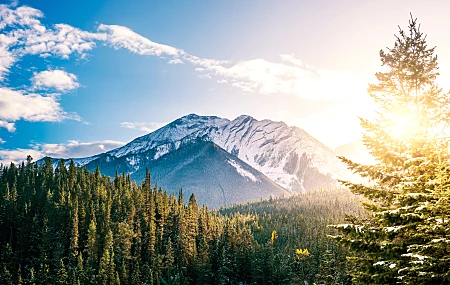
393 229
242 171
417 256
133 162
161 150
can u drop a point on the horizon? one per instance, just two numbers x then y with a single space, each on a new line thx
84 78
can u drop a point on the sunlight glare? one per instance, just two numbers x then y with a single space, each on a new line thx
403 124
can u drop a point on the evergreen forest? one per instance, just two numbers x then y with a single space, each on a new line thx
71 226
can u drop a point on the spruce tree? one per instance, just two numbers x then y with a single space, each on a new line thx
408 140
327 269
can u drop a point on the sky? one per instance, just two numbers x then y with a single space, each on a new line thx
82 77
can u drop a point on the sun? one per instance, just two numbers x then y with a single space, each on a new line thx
403 124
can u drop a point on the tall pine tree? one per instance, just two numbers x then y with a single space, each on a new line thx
406 185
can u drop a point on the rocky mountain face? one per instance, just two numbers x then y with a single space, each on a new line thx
226 161
287 155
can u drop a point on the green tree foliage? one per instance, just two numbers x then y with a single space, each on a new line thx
405 239
70 226
291 236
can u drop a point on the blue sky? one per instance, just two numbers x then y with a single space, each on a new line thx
81 77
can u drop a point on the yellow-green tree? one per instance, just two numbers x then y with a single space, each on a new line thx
408 139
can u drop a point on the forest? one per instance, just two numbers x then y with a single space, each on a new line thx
71 226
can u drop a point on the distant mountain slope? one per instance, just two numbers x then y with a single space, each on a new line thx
289 156
216 177
356 151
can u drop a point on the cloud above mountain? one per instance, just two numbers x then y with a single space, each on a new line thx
71 149
23 32
146 127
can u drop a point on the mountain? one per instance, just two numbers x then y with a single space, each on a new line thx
288 155
275 154
356 151
216 177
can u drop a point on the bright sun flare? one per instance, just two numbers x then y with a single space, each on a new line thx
403 124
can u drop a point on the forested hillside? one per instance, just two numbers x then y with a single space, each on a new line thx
71 226
300 223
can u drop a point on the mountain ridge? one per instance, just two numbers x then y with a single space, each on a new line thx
288 155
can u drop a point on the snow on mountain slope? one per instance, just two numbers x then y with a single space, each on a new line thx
172 132
242 172
79 162
284 154
287 155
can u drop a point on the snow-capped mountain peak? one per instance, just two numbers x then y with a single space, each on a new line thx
172 132
288 155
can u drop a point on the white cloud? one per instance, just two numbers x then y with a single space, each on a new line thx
74 148
62 40
2 141
176 61
7 58
71 149
18 155
291 58
273 78
23 16
123 37
16 105
57 79
204 62
290 76
23 33
7 125
143 126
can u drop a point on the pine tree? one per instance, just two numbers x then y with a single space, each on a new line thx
191 222
19 276
428 259
91 252
74 236
408 142
327 269
62 273
32 278
104 270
